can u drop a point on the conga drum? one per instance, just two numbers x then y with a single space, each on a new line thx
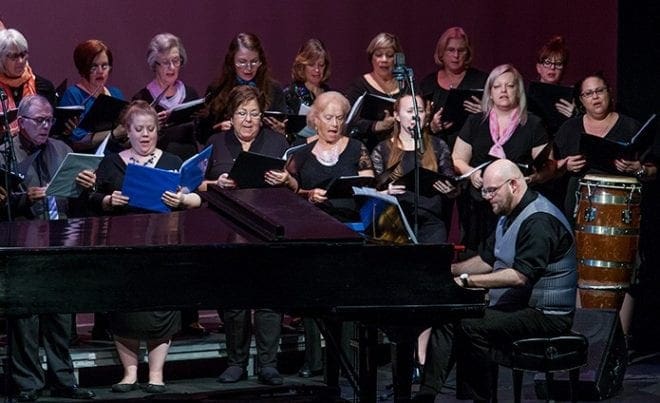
606 234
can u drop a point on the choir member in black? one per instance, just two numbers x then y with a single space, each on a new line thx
453 55
157 327
399 151
310 74
330 156
551 64
245 105
52 331
166 56
245 64
379 81
503 130
17 79
601 120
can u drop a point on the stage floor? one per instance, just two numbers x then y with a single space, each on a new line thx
194 364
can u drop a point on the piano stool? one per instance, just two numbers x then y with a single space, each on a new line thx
545 354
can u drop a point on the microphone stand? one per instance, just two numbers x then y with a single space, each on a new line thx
8 152
419 146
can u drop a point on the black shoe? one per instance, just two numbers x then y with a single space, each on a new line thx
125 387
232 374
154 388
418 370
72 392
28 396
306 372
270 376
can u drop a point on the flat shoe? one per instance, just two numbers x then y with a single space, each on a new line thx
153 388
232 374
125 387
270 376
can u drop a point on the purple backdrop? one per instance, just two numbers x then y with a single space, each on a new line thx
501 31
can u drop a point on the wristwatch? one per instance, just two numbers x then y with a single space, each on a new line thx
640 173
464 279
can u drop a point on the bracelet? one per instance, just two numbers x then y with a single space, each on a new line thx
641 173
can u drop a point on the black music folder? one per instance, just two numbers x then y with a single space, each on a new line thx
249 169
103 115
292 123
371 107
62 115
184 112
427 178
10 181
453 109
342 187
600 152
542 98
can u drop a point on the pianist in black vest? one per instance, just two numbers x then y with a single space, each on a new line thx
245 106
157 328
529 267
42 155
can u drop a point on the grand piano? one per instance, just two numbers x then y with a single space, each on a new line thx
246 249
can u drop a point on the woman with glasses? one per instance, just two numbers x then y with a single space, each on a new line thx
245 64
166 56
245 105
453 55
93 60
17 79
601 120
503 130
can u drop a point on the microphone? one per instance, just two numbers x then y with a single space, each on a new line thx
400 71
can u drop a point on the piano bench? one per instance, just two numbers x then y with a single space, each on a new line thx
543 354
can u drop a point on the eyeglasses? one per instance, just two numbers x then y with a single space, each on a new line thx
42 121
99 67
253 64
175 62
548 64
15 56
487 193
589 93
244 114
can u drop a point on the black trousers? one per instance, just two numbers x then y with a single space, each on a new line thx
54 332
313 353
267 330
470 341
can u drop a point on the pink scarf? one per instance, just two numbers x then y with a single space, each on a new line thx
168 103
501 136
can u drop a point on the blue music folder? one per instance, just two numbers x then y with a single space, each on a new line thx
145 186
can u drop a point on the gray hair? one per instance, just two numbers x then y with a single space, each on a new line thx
8 39
26 103
162 43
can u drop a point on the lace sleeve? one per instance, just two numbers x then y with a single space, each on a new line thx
365 162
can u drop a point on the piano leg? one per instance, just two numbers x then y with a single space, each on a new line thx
335 355
368 379
402 367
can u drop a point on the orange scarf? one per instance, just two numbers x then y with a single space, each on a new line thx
27 80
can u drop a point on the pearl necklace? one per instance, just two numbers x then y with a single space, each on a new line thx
134 159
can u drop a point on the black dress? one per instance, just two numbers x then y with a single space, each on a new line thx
363 129
311 174
431 226
135 325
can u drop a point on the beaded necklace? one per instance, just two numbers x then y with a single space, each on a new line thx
133 159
